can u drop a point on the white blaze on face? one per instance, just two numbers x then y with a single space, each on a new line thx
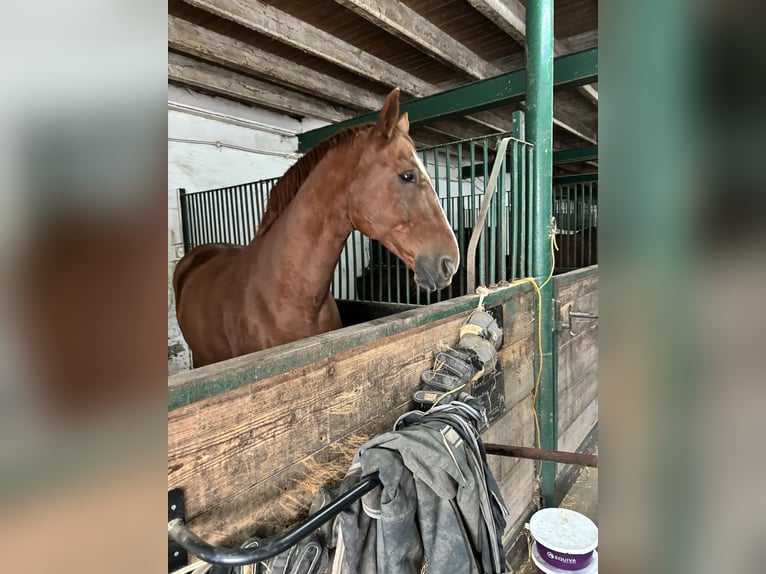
424 172
422 168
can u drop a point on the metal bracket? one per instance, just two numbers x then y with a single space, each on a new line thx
177 555
567 316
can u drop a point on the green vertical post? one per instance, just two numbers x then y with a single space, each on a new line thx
184 205
517 202
539 127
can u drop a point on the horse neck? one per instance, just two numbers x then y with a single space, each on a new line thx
309 235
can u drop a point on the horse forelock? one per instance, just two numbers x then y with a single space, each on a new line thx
288 185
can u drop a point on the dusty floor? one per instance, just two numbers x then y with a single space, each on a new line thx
582 497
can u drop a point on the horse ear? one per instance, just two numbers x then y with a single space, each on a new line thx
388 114
404 123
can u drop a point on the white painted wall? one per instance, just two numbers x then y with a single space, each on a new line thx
214 142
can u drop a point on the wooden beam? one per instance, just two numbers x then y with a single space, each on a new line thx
288 29
573 126
510 16
196 74
557 456
194 40
406 24
294 32
179 32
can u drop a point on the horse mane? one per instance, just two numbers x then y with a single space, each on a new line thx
288 185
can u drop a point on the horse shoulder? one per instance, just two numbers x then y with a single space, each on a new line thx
199 258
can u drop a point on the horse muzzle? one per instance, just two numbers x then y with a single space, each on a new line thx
434 273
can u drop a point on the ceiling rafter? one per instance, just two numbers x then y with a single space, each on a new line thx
195 40
197 74
510 16
281 26
406 24
294 32
230 42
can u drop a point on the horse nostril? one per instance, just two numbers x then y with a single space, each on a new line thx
447 267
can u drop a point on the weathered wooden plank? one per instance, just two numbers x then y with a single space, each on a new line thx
273 505
209 45
571 292
518 489
576 276
288 29
197 74
577 359
230 441
531 453
515 427
577 355
519 317
405 23
567 474
198 384
579 429
574 399
251 456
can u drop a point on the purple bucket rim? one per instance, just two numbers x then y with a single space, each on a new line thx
579 561
541 514
544 567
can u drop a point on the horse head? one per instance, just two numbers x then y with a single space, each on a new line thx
393 201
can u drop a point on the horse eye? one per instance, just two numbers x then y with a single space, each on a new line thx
407 176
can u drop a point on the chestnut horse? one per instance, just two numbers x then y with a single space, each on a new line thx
233 300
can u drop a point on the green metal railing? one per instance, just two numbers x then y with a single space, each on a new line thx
366 270
226 214
575 207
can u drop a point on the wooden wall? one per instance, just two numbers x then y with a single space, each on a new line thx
251 439
577 359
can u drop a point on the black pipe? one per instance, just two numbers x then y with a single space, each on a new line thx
193 544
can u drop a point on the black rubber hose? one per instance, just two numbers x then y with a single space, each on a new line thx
194 545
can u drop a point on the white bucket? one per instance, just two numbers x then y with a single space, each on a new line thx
566 539
544 568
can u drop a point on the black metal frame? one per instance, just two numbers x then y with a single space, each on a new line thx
180 534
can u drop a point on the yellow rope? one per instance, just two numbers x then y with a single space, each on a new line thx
540 337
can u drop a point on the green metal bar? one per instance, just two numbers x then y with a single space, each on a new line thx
517 207
437 182
581 227
540 133
348 272
447 166
571 207
559 157
485 228
473 200
502 236
589 153
220 215
526 213
572 70
514 201
491 232
241 235
184 205
209 237
590 223
579 178
224 214
251 216
460 290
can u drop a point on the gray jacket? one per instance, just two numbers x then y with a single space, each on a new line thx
439 509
